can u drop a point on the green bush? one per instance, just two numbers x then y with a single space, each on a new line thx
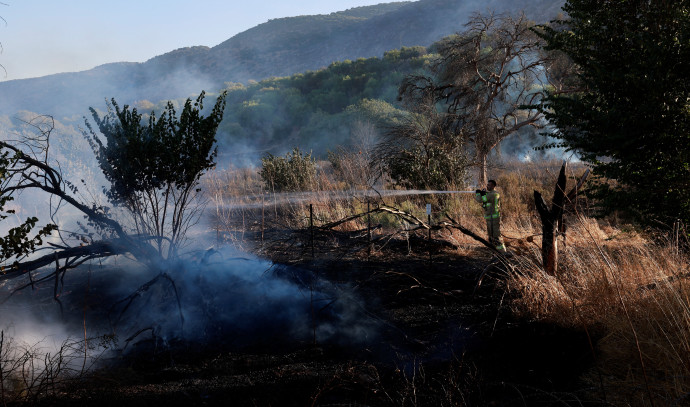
294 172
430 168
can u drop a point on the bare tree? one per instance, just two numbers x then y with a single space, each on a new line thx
356 165
488 77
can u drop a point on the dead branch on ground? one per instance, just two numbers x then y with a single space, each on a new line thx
415 221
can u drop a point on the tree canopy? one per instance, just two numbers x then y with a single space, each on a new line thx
156 165
627 110
154 171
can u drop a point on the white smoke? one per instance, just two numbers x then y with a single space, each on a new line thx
223 298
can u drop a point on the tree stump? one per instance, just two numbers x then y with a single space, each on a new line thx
552 219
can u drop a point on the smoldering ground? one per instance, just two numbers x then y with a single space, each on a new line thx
216 298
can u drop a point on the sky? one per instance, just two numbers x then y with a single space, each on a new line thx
43 37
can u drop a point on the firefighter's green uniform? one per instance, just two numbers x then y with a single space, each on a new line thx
491 202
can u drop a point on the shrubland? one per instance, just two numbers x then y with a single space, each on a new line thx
623 285
622 273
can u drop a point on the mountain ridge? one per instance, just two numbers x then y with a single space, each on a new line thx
276 48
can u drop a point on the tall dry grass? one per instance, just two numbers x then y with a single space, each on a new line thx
629 291
631 294
242 205
235 192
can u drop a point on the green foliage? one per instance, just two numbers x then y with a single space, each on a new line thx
627 112
405 53
167 152
431 168
313 104
294 172
377 111
18 241
154 165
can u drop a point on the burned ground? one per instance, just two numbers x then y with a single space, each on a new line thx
445 336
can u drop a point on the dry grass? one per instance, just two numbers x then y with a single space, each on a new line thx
30 372
631 293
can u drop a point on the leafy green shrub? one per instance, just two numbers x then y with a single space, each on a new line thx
294 172
428 168
154 166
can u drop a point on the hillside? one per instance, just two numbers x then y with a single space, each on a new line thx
285 46
278 47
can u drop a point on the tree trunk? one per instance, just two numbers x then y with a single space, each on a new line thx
551 221
549 247
482 178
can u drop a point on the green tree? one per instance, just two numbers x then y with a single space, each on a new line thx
627 110
154 167
154 170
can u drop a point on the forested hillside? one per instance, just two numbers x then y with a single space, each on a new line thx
279 47
319 109
288 45
316 110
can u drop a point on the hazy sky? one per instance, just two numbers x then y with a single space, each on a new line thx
42 37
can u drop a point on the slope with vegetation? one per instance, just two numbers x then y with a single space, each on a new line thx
318 109
276 48
617 305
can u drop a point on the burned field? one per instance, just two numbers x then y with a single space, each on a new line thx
298 299
411 322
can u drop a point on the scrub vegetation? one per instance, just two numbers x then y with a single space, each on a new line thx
390 217
624 287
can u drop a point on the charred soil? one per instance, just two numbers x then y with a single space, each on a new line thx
445 336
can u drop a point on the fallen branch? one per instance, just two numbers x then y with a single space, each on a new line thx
103 248
407 217
464 230
143 288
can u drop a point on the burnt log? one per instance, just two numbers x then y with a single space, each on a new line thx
552 218
104 248
550 221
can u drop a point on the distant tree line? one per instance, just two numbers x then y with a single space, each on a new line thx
317 108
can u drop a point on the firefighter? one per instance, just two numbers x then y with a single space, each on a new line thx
491 202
